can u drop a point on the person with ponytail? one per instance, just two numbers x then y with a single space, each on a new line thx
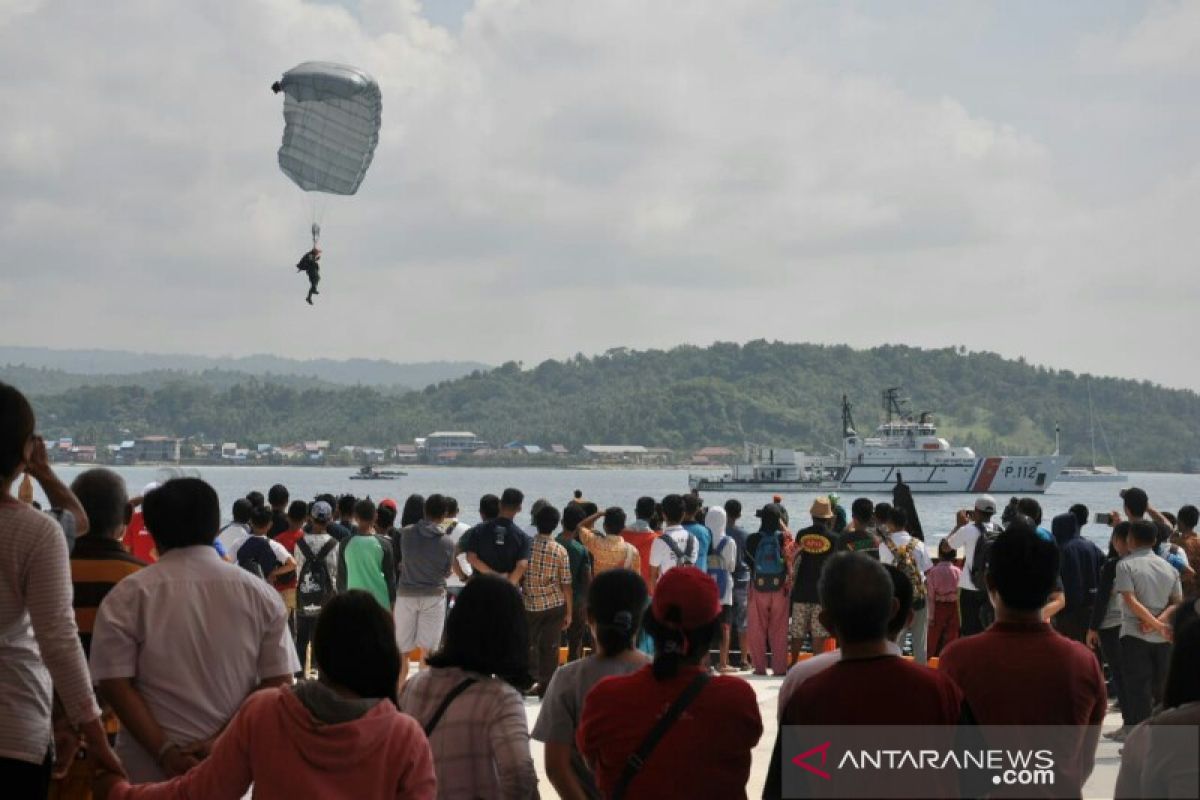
627 733
615 602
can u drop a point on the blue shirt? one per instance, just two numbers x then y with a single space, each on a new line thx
742 573
1045 534
703 541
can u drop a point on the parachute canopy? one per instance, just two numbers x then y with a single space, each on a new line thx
332 114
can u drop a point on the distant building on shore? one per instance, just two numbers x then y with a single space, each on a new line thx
437 446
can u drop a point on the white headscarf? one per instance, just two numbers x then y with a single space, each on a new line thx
715 520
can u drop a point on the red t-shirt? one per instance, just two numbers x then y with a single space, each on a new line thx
1028 674
706 753
288 539
138 540
885 690
642 540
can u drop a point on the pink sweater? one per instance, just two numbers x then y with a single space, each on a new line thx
274 743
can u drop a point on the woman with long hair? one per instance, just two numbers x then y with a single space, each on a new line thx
1159 757
340 736
620 732
40 651
615 602
470 701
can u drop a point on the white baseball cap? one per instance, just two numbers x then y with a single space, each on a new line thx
985 504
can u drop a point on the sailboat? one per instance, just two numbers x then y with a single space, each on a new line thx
1094 473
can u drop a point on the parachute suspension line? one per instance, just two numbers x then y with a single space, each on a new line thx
316 233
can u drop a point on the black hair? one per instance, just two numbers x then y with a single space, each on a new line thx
261 517
1030 508
511 498
883 511
862 509
278 495
17 424
578 494
898 517
242 508
902 590
1183 670
691 504
672 509
414 510
733 509
256 499
944 547
102 494
345 505
615 602
856 593
572 515
489 507
365 510
486 632
297 511
451 506
1143 532
182 512
644 508
385 516
354 645
674 648
614 519
1189 517
1081 513
1136 500
1022 567
589 507
547 518
435 506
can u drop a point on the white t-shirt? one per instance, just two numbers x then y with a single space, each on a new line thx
728 557
901 539
314 542
967 537
455 530
233 534
660 553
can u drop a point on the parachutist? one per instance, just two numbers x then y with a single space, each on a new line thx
310 264
277 87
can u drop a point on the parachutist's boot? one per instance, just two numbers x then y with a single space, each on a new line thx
309 298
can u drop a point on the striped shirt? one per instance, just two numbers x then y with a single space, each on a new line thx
38 637
481 744
98 563
548 575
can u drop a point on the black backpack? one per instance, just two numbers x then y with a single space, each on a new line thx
315 586
983 549
256 556
683 558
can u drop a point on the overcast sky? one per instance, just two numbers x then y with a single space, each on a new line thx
558 176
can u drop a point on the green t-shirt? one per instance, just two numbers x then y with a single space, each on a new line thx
364 568
579 560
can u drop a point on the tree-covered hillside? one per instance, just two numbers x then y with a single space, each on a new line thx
785 394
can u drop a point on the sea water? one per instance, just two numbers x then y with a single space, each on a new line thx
622 487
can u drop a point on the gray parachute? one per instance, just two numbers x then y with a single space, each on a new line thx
332 114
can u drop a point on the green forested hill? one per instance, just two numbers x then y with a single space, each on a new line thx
785 394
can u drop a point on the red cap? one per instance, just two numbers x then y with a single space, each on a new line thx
686 598
388 502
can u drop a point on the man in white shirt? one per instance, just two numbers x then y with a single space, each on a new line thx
461 568
236 531
900 549
675 546
973 603
180 644
803 670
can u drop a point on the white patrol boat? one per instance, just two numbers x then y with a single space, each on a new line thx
902 449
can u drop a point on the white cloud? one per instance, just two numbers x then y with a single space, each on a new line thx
554 177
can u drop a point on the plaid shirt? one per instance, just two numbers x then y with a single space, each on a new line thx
549 572
609 552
